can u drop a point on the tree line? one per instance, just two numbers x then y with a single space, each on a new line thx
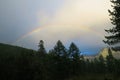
58 64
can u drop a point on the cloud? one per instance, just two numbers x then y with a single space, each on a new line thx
77 21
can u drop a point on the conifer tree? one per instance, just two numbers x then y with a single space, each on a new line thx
41 49
102 66
110 61
60 49
114 32
74 52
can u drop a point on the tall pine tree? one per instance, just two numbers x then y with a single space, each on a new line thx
110 61
60 49
41 50
114 32
74 52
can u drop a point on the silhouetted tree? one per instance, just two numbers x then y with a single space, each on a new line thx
60 49
88 66
102 66
61 61
115 31
110 61
117 66
74 52
95 67
41 50
82 64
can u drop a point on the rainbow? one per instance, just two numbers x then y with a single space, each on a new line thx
27 34
41 27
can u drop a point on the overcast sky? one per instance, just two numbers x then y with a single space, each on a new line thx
25 22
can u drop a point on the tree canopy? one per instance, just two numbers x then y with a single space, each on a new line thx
114 32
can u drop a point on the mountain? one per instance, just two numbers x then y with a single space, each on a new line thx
115 52
104 52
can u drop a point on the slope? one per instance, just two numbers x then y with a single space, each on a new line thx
13 50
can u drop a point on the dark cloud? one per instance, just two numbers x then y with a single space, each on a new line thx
16 18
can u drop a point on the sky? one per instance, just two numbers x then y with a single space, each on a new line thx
26 22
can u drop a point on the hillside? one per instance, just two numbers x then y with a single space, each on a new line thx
115 52
17 63
104 52
13 50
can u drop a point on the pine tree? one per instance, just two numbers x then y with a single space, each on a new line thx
102 66
110 61
95 66
41 50
60 49
114 38
74 52
61 61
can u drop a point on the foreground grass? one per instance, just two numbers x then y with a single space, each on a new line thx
95 77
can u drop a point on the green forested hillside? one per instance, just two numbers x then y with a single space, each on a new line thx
15 62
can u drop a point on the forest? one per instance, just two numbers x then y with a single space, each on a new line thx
18 63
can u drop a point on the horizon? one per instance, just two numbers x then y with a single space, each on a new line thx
24 23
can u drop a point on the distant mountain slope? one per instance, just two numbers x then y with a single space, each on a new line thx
115 52
104 52
6 48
